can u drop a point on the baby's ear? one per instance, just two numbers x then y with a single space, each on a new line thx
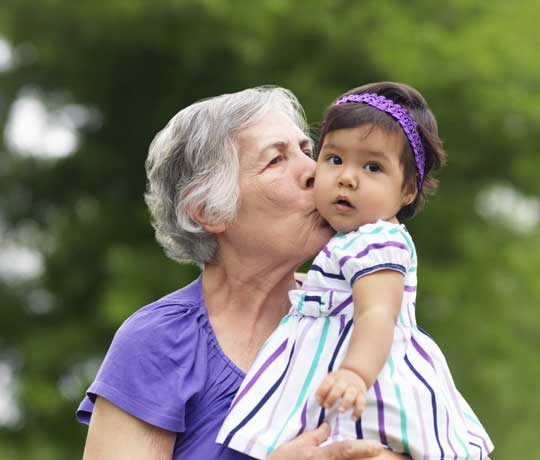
199 216
409 193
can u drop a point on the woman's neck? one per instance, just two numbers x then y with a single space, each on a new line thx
245 304
237 288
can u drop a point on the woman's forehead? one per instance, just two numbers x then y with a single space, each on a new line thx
272 128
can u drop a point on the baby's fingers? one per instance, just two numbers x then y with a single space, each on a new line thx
324 389
348 398
359 405
335 393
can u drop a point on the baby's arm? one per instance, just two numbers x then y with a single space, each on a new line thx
377 301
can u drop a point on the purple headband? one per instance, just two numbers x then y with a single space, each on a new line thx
407 123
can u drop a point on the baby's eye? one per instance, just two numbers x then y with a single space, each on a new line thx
372 167
334 160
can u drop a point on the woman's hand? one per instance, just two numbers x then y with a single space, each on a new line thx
306 447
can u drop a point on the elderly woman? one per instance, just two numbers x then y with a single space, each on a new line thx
229 188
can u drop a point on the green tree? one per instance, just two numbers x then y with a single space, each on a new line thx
136 63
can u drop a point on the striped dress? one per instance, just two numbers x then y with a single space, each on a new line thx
413 407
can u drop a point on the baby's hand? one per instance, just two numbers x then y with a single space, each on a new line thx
346 385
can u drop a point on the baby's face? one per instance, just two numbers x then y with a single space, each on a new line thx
359 177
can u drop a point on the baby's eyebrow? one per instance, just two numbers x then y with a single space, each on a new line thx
377 153
330 145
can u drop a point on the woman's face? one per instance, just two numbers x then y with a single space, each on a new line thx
277 219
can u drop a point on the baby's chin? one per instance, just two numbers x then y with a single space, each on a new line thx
342 224
345 227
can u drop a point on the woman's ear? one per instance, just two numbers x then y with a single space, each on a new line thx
199 217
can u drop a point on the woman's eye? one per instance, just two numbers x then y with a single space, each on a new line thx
372 167
334 160
309 152
276 160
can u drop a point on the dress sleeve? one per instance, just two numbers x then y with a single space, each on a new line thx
155 366
373 247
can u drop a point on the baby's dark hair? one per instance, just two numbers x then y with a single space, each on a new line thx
353 115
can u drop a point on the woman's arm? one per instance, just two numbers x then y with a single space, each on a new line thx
115 435
305 447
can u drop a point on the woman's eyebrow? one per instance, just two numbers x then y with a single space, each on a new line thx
279 145
284 145
306 142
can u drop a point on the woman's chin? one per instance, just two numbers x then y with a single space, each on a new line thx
320 237
327 229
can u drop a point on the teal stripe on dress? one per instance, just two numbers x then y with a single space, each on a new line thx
307 383
456 435
372 232
301 302
281 323
401 318
408 241
472 419
402 413
467 454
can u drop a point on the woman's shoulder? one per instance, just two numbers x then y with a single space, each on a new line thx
156 361
168 319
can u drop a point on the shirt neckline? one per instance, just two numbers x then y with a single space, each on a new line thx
212 334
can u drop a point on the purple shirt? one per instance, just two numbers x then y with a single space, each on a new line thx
165 366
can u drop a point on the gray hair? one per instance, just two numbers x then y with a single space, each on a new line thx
193 165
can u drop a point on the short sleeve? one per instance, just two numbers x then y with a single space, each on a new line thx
155 366
373 247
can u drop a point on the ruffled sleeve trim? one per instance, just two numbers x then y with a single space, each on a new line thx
372 248
134 408
157 362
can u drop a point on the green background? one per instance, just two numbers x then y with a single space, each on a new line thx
136 63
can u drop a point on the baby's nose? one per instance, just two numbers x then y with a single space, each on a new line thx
346 180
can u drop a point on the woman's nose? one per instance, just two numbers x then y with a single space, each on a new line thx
307 178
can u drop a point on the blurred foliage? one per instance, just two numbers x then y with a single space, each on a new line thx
139 62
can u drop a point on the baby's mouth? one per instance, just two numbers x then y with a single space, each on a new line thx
342 201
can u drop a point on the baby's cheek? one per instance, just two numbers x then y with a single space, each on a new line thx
372 212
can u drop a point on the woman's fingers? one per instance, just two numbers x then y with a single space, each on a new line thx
351 450
363 448
305 447
313 438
